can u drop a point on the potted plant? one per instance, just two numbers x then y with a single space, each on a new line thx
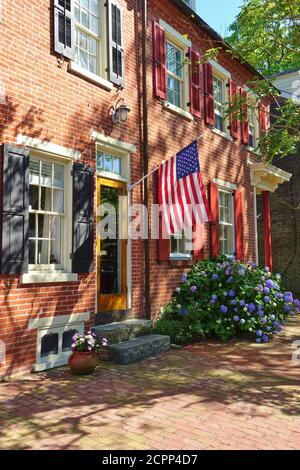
83 359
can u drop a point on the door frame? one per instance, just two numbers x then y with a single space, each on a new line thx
111 302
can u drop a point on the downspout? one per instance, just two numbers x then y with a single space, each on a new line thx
145 154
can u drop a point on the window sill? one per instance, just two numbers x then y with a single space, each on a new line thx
252 150
61 361
36 277
179 257
176 110
222 134
92 77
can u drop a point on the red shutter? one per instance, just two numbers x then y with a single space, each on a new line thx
244 123
209 95
263 117
159 61
214 208
198 242
238 225
234 128
195 103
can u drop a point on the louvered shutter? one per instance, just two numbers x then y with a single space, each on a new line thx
83 218
63 16
198 253
263 117
245 122
234 128
159 62
214 227
115 43
15 210
195 100
209 95
238 225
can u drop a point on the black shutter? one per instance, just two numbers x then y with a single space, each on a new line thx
83 218
64 28
15 210
115 43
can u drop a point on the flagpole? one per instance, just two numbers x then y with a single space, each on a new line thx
131 186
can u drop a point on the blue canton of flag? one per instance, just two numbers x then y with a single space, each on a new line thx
187 161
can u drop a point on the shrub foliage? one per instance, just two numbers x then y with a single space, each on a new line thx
224 298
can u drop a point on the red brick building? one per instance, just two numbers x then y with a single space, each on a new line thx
66 67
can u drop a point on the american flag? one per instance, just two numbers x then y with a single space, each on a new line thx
181 192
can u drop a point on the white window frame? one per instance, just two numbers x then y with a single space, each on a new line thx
223 223
51 272
180 79
255 134
61 358
182 240
224 76
182 43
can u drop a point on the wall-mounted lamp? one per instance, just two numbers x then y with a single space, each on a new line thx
120 114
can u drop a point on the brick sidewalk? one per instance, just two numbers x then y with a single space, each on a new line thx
210 396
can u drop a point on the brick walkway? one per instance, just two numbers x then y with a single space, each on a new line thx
210 396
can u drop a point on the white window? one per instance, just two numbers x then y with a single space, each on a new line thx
89 35
109 163
175 74
226 222
181 245
253 128
46 212
219 103
54 345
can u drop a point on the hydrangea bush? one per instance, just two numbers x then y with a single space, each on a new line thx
225 297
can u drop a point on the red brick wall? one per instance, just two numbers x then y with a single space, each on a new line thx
45 101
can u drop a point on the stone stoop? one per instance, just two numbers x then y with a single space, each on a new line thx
140 348
122 331
131 340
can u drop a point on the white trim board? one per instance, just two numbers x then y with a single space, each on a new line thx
225 184
220 69
102 138
170 30
48 147
58 320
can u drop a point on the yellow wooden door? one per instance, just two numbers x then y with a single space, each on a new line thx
111 248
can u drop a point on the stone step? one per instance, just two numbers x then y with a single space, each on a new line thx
123 331
137 349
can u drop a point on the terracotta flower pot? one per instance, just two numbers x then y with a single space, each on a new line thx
82 363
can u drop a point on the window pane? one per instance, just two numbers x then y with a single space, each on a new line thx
174 243
92 64
77 13
43 256
46 194
94 25
32 226
46 174
95 7
108 163
219 122
34 172
85 3
43 226
49 344
117 165
58 176
67 340
100 161
58 200
33 197
83 59
31 254
85 18
55 234
93 46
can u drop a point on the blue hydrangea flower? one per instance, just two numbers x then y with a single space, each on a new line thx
279 295
193 288
251 308
227 272
267 299
214 297
268 328
288 297
266 290
265 338
258 340
275 323
183 278
241 271
212 301
223 309
296 302
264 320
229 280
235 309
259 306
287 308
242 303
272 317
233 302
260 288
275 332
236 318
231 293
259 333
215 277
